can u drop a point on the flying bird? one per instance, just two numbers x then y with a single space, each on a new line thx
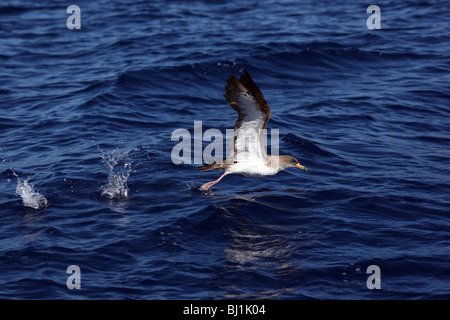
248 155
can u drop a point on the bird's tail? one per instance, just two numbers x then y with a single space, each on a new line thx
212 166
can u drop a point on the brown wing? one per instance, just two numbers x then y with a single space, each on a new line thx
244 96
245 86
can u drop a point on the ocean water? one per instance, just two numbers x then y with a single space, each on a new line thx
87 178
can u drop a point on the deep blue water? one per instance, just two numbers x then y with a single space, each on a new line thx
89 113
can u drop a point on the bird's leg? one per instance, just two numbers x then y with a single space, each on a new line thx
208 185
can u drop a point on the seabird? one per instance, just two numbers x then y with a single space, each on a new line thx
248 155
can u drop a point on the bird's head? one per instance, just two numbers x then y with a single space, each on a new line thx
290 162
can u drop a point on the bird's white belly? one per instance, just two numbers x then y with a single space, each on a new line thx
252 169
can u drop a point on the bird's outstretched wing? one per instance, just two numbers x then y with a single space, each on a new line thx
244 96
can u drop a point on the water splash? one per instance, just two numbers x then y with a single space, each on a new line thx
119 168
30 197
24 189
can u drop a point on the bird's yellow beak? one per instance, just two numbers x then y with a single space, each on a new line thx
298 165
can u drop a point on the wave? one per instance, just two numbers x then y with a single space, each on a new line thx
308 145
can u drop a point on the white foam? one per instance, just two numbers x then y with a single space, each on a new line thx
30 198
